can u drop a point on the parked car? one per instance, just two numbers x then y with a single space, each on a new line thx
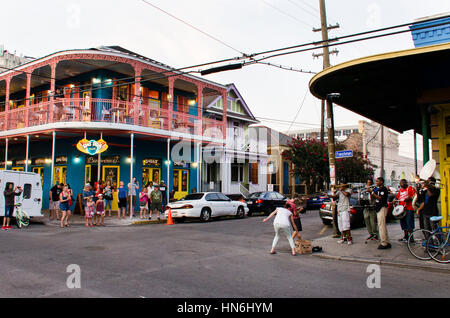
265 202
356 211
206 206
315 201
236 197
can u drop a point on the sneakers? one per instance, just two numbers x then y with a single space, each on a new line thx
9 227
4 228
384 247
374 238
349 242
369 237
403 240
341 241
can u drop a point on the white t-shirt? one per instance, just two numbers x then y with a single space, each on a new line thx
149 190
283 217
344 201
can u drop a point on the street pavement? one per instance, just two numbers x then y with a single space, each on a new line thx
223 258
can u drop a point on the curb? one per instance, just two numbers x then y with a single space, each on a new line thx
381 262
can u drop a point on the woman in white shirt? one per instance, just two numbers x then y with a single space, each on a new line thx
283 222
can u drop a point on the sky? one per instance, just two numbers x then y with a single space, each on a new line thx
38 28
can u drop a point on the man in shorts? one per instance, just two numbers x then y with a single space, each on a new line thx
55 191
343 210
156 198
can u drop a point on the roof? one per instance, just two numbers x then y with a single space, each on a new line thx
283 139
389 88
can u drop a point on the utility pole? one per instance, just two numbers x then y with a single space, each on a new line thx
382 152
326 58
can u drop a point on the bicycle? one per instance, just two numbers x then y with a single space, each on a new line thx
22 218
418 241
438 244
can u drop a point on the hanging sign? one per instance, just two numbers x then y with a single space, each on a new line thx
92 147
151 162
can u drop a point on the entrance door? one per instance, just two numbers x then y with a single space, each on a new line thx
151 174
60 175
112 174
180 183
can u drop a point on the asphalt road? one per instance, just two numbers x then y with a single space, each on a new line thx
225 258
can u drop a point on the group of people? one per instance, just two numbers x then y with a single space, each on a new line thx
61 199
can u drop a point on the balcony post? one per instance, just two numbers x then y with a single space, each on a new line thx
200 109
224 119
137 93
52 91
8 82
170 99
27 99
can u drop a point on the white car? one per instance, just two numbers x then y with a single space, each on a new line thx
206 206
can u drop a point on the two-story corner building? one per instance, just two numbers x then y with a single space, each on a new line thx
55 106
243 160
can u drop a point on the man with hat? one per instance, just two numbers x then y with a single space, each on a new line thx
156 200
163 189
343 209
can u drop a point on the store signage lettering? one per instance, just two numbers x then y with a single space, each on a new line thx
105 160
151 162
61 160
92 147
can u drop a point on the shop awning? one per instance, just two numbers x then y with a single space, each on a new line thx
389 88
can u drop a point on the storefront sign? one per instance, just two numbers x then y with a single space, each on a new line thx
92 147
111 160
181 164
39 161
62 160
152 162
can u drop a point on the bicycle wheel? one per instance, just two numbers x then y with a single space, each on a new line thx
417 244
439 248
18 222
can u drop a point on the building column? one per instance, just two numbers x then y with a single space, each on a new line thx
170 99
131 175
8 86
99 171
6 153
53 159
137 93
52 91
26 153
281 172
168 170
27 99
425 125
224 119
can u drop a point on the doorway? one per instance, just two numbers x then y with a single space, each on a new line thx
180 183
151 174
112 174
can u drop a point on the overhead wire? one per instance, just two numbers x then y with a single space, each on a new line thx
285 13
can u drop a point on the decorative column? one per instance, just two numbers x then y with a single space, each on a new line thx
224 119
52 91
170 98
137 93
27 152
6 153
8 85
131 176
199 125
27 99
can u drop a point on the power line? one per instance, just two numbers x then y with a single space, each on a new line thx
298 112
287 68
303 9
285 13
193 27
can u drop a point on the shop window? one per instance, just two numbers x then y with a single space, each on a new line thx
27 191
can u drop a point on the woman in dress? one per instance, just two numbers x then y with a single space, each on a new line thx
64 198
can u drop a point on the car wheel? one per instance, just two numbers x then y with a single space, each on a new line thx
240 213
327 222
205 215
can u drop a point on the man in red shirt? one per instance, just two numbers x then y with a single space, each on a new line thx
405 195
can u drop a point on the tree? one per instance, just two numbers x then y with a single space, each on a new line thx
353 169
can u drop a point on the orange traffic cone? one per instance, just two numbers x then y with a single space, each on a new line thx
169 218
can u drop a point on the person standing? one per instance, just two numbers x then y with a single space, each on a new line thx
10 194
429 207
282 223
370 215
100 211
380 194
87 194
132 194
405 196
64 198
55 191
108 196
343 211
143 198
122 196
89 212
150 187
163 189
156 198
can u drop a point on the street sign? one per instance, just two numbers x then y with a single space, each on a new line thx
344 154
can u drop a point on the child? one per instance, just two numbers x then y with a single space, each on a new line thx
292 206
89 212
143 197
100 210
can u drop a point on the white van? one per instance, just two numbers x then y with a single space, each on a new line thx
31 197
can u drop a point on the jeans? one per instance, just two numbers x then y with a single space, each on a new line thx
370 218
287 231
407 222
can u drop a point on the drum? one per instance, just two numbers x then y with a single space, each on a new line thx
399 212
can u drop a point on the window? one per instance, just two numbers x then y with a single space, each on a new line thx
237 172
254 173
27 191
212 197
222 197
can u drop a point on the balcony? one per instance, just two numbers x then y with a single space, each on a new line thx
109 111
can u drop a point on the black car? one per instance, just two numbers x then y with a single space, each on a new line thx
265 202
236 197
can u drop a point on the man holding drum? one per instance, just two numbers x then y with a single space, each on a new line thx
405 196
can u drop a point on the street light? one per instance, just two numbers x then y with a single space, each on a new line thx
331 144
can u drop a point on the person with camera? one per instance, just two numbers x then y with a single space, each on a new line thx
10 194
380 194
429 207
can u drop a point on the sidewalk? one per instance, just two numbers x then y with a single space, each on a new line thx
109 221
398 255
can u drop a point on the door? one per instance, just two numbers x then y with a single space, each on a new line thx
112 174
215 203
227 207
39 171
87 174
151 174
86 106
60 175
180 183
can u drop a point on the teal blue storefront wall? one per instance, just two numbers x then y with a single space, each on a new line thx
118 147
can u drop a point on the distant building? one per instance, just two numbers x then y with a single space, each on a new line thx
366 137
10 60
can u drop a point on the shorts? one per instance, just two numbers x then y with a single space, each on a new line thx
344 221
109 204
407 222
100 212
54 205
122 203
298 223
64 206
156 206
9 210
142 204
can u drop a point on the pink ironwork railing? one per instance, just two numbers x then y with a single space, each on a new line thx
111 111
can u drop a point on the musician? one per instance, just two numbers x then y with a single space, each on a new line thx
420 198
405 196
429 207
380 194
343 208
370 216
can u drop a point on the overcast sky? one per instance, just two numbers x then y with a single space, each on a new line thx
38 28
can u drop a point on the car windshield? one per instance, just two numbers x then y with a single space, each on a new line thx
192 196
255 195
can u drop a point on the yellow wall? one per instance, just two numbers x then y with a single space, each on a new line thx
444 159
